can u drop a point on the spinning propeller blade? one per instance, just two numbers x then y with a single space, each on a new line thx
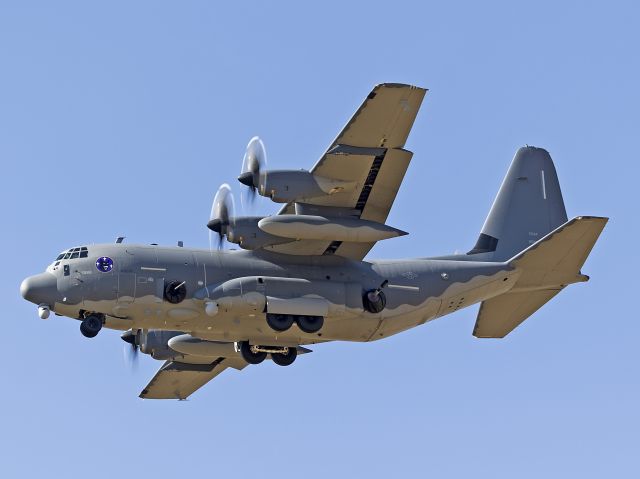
254 168
221 217
131 353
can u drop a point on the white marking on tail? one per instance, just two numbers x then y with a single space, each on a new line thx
544 188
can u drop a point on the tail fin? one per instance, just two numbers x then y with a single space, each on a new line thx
528 206
546 268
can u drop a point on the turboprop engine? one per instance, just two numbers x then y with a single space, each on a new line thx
252 232
314 219
283 186
241 230
288 186
152 342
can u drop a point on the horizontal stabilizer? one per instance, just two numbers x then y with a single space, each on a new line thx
500 315
556 259
546 266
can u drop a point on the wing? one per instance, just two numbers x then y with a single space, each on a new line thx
178 380
369 154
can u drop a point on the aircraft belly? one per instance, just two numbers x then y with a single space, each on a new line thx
342 324
402 322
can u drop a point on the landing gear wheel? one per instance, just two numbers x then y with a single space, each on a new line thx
280 322
91 326
310 324
250 356
285 359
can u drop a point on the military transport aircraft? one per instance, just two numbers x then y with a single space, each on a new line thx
300 276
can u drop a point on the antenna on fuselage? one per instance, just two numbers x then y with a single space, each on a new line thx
120 239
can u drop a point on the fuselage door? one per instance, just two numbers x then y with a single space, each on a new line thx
126 287
149 287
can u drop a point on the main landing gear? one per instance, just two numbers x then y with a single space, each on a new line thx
281 355
307 324
91 325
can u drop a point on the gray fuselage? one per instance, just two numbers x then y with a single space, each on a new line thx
130 294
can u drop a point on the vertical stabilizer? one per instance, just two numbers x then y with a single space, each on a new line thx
529 205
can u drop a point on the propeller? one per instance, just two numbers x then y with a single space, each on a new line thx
254 168
131 337
221 217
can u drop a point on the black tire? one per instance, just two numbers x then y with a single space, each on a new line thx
91 326
282 359
280 322
249 356
310 324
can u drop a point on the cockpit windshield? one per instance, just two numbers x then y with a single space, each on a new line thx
80 252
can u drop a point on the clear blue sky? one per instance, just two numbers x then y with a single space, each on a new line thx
122 118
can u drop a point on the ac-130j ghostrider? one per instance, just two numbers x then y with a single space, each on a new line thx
301 278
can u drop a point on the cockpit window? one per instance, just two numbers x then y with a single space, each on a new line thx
73 253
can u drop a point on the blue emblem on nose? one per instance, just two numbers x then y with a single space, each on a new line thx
104 264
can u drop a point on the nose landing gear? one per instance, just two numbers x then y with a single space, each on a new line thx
91 325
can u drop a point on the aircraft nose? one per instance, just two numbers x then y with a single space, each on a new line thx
40 289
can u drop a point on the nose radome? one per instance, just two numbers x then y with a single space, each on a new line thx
40 289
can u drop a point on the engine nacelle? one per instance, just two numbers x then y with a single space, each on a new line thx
287 186
245 232
156 343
